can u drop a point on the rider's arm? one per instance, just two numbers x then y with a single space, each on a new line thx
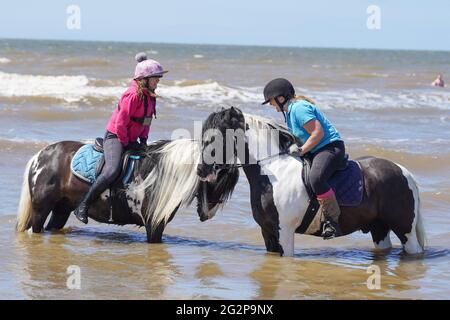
314 128
128 104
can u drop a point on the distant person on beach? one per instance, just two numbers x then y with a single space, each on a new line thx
321 142
439 82
129 122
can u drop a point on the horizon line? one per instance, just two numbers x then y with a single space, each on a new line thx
227 45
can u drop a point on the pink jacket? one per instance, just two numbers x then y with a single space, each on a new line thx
130 105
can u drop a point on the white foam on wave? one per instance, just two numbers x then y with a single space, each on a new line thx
353 99
4 60
68 88
73 89
79 88
389 99
210 92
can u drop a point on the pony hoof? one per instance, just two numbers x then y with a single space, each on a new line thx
82 219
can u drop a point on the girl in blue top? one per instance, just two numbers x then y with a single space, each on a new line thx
320 141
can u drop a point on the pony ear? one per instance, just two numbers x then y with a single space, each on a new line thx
236 112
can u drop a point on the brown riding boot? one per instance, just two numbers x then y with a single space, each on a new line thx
330 211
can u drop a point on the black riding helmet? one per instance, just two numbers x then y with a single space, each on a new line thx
278 87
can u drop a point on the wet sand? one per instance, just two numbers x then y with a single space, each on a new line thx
197 262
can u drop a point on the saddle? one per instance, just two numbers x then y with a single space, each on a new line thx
88 163
347 183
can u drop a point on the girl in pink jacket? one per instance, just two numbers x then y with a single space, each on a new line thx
129 123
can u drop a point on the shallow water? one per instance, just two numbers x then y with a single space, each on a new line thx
379 100
117 263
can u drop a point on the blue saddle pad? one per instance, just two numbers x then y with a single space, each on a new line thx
84 163
348 185
86 159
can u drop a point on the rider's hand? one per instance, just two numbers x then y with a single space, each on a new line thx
143 143
295 150
133 146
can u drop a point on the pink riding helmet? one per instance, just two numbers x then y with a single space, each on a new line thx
147 67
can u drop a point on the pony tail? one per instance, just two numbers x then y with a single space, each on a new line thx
24 211
300 97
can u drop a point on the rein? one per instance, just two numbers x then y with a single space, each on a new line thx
242 165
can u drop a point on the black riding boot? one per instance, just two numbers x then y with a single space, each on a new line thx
94 192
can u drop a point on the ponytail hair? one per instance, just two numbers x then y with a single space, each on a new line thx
300 97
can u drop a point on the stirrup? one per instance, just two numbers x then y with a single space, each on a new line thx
329 231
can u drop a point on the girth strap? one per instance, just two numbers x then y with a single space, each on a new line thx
313 205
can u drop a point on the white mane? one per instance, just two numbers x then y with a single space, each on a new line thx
263 136
173 181
259 122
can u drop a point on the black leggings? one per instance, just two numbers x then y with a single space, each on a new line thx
324 164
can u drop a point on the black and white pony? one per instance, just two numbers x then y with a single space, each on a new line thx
164 180
279 198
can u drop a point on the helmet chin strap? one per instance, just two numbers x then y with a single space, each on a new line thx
281 105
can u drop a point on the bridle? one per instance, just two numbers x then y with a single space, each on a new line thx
217 167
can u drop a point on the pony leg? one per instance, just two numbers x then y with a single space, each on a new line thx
287 241
271 241
59 217
383 244
380 235
155 236
413 241
412 245
38 218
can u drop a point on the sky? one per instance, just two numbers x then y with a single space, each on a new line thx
400 24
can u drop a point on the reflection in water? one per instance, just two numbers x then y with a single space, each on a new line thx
336 274
117 263
113 265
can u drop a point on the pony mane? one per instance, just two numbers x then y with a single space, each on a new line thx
258 123
213 121
170 180
255 122
221 191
